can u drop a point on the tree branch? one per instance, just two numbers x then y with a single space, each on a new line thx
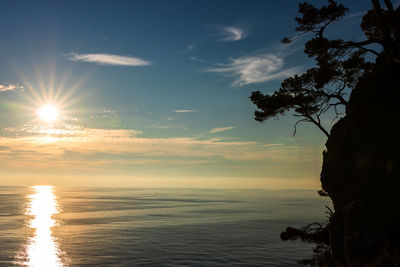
295 125
318 125
382 25
360 45
336 96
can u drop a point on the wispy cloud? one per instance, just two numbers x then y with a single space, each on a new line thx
189 48
10 87
222 129
355 15
184 110
157 126
196 58
231 34
106 151
103 113
110 111
37 143
109 59
255 69
85 144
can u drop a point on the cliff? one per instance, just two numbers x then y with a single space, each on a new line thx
360 171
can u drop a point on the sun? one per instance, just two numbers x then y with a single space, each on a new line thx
48 113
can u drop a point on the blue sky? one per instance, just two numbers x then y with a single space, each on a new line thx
153 90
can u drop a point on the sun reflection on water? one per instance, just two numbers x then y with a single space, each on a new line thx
42 248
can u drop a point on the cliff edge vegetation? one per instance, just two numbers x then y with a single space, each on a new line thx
360 171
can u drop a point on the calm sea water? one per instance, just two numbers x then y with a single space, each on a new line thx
60 226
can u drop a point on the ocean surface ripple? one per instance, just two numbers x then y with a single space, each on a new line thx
153 227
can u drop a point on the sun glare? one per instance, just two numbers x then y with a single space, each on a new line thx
42 249
48 113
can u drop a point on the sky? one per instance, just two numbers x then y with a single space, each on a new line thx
154 93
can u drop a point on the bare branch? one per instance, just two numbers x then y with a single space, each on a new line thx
295 125
318 125
337 114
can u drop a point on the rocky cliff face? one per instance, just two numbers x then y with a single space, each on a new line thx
360 171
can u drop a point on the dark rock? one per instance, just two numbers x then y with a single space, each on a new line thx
360 171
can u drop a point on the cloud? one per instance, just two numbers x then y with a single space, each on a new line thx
41 144
10 87
38 144
223 129
355 15
196 58
255 69
231 34
158 126
184 110
189 48
109 59
80 150
111 111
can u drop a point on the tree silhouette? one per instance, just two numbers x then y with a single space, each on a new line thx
339 63
361 163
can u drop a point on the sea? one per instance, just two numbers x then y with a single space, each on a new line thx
83 226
